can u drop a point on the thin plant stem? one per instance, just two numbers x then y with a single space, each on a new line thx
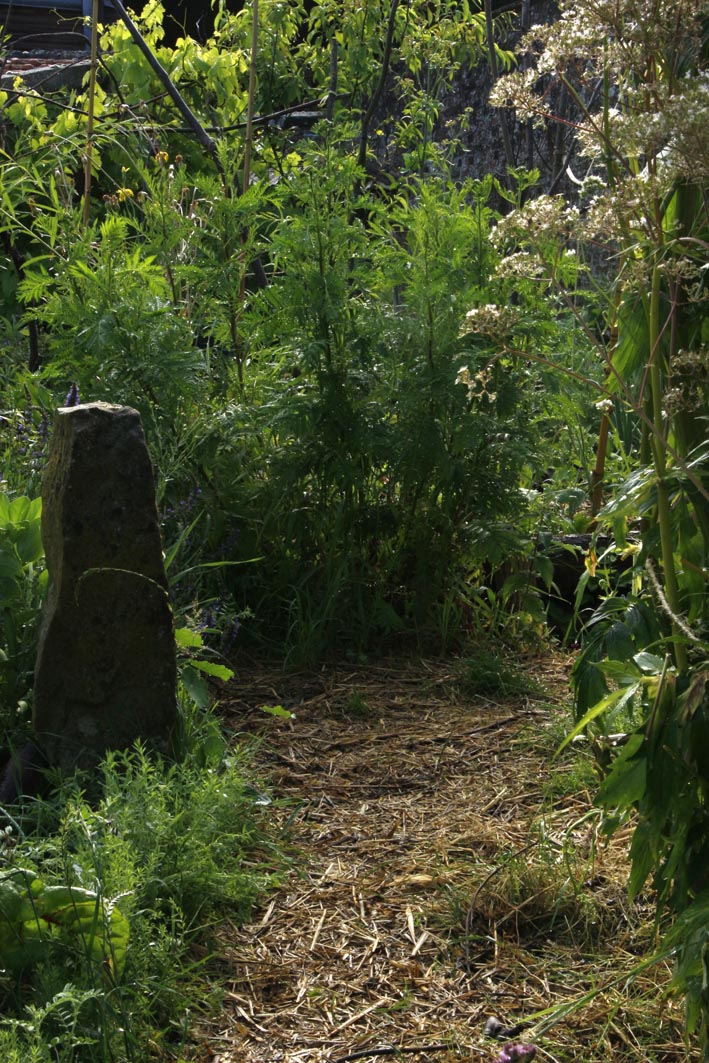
660 463
88 155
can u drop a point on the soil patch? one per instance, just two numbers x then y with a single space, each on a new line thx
447 872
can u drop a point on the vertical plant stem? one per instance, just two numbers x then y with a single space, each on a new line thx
88 155
660 463
376 95
187 113
248 144
600 466
248 141
332 87
492 57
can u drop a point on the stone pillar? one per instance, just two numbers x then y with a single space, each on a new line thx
106 671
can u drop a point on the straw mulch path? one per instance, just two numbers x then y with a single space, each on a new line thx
394 937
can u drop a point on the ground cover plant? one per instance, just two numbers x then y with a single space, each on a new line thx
109 893
374 393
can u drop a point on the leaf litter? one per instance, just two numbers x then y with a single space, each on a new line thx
450 881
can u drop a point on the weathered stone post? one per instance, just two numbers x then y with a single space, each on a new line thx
106 671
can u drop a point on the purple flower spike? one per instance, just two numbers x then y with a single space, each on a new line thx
516 1053
72 395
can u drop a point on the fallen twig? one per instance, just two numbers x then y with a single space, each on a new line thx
391 1050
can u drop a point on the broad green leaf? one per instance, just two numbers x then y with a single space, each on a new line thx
19 509
29 543
544 567
16 904
619 642
102 930
625 787
649 663
186 638
195 686
622 672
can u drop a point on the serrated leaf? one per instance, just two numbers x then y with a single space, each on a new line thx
277 710
219 671
633 495
186 638
625 784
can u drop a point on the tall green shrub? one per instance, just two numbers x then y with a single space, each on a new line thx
637 74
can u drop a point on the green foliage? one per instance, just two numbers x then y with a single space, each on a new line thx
97 914
488 673
642 673
382 469
34 916
22 582
114 328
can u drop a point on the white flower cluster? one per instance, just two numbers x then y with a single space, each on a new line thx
490 320
521 264
658 123
541 218
478 385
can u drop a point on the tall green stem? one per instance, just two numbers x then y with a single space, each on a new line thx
660 463
88 157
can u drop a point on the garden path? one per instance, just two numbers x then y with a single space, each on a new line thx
404 798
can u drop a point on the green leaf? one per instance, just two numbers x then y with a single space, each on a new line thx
19 509
649 663
633 496
29 543
544 568
171 554
617 699
195 686
626 782
619 642
186 638
277 710
211 564
16 904
643 854
10 564
622 672
103 931
219 671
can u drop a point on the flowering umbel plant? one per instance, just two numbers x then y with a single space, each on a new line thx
634 78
